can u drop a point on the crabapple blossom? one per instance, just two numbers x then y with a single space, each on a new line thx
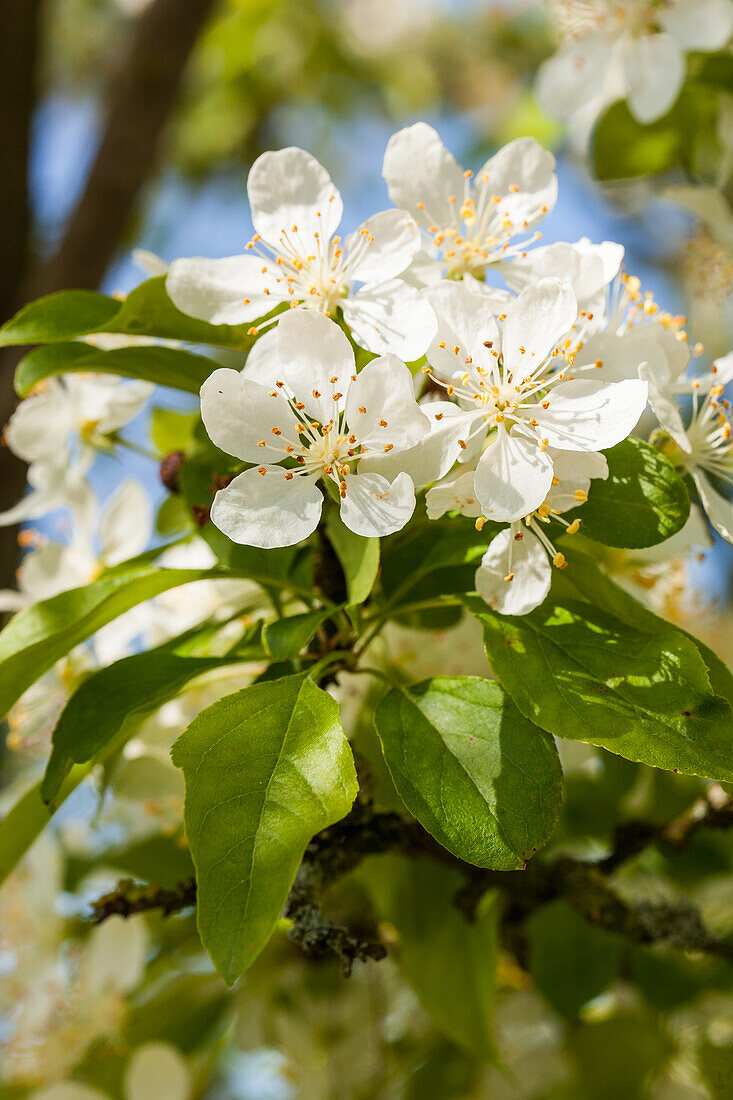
705 446
296 257
316 419
58 431
515 574
633 50
507 387
470 222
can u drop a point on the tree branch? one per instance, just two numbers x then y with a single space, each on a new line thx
336 851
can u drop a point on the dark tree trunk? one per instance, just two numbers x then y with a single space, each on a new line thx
141 96
18 75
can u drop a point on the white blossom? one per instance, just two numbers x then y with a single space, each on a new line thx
703 449
315 419
58 431
296 257
626 49
515 572
470 222
508 388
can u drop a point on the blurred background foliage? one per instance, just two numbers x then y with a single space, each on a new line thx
570 1012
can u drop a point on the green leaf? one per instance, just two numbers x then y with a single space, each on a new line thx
287 637
433 559
624 148
266 768
171 429
481 779
359 558
59 317
37 637
449 961
582 674
146 311
591 584
571 960
157 858
174 367
97 710
641 503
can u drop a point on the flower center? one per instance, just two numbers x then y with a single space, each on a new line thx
479 230
306 269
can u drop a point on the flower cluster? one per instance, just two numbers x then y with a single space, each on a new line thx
527 362
533 360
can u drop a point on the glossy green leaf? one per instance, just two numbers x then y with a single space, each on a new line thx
146 311
174 367
582 674
623 147
359 558
590 583
570 959
37 637
287 637
484 781
642 502
433 559
59 316
98 709
449 961
266 768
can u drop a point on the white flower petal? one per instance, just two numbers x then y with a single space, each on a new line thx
454 494
523 174
526 562
291 194
464 322
238 414
312 351
664 406
263 361
40 427
149 262
421 174
574 76
588 268
513 477
386 244
268 510
654 65
115 956
542 314
157 1071
390 316
436 452
374 507
699 24
229 291
126 523
579 465
55 568
392 417
591 416
718 508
